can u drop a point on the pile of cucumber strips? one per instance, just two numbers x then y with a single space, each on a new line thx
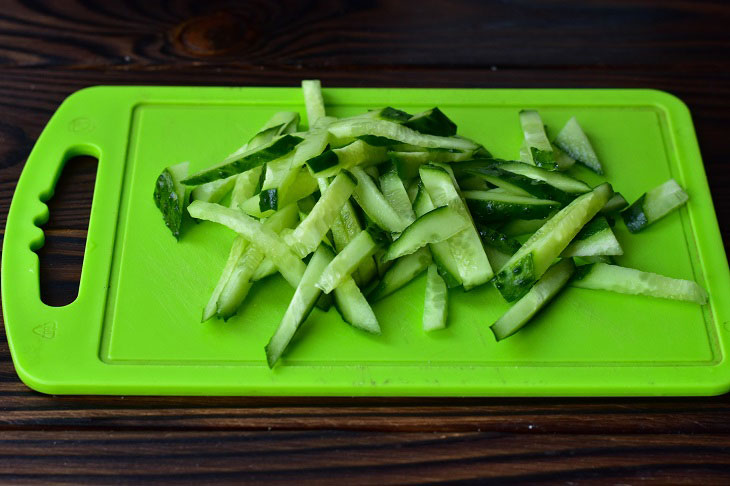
352 209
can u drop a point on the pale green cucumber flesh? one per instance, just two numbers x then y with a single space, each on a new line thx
435 302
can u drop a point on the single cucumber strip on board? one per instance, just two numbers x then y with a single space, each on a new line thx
237 248
596 238
395 193
540 151
433 227
313 101
635 282
254 157
301 305
361 247
615 204
351 129
354 307
488 206
435 302
441 252
466 247
170 196
654 205
308 235
432 122
575 143
531 261
539 295
402 272
374 204
290 266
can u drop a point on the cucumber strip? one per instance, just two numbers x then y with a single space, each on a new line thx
531 261
400 273
330 162
495 239
350 129
354 307
236 288
413 189
574 141
266 269
374 204
488 207
291 267
466 247
518 227
596 238
497 258
561 181
313 101
433 227
435 302
304 185
540 151
300 307
361 247
441 252
388 113
654 205
615 204
282 122
237 248
245 186
308 235
432 122
213 191
635 282
170 196
279 147
538 297
407 163
395 193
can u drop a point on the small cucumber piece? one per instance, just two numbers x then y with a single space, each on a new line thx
635 282
596 238
170 196
395 193
374 204
498 240
213 191
330 162
575 143
435 303
539 148
354 307
435 226
237 249
313 101
432 122
361 247
538 297
488 206
400 273
654 205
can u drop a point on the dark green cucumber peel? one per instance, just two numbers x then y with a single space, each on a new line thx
634 216
432 122
274 150
594 226
170 202
498 240
515 281
323 161
395 115
269 199
493 210
537 188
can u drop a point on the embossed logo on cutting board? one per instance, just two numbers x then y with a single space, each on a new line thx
46 330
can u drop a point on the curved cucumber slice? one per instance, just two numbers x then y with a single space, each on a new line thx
488 206
654 205
433 227
435 303
595 239
540 151
539 295
630 281
354 307
574 141
533 259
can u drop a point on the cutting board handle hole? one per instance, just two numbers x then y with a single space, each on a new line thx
62 255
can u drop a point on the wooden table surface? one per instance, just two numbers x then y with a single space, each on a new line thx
50 49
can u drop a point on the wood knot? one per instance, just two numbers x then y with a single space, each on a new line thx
215 34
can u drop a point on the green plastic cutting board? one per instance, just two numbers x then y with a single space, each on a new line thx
135 326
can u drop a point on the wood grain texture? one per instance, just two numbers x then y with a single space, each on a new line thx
50 49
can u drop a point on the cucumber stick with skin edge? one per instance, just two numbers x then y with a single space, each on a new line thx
329 162
237 249
488 206
374 204
466 247
407 163
595 239
435 226
302 186
561 181
441 252
404 270
301 305
308 235
350 129
554 279
435 302
290 266
625 280
498 240
171 195
615 204
539 148
354 307
531 261
313 101
654 205
432 122
395 193
361 247
575 143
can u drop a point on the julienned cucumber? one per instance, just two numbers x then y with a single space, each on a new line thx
407 163
361 247
301 305
402 272
654 205
595 239
330 162
395 193
433 227
171 196
489 207
354 307
313 101
540 150
374 204
574 141
535 299
435 303
432 122
630 281
531 261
